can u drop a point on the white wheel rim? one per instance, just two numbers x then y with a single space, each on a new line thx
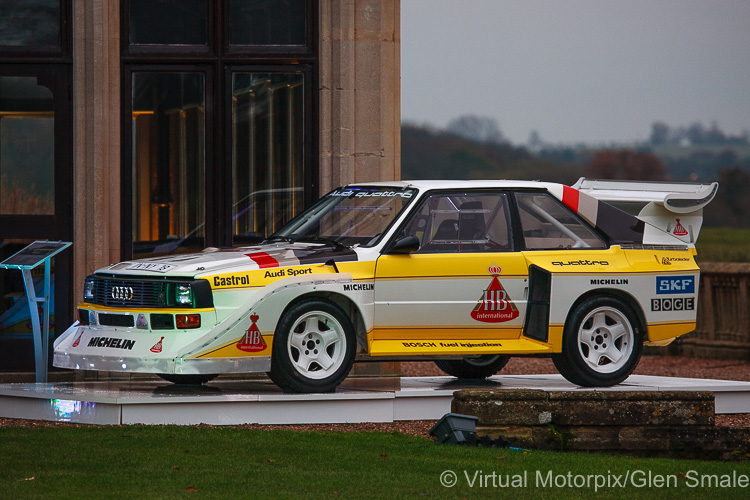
605 340
316 345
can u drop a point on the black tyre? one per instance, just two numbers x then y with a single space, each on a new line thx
313 347
602 343
474 368
187 379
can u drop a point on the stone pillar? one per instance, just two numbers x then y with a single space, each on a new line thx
360 102
360 91
96 131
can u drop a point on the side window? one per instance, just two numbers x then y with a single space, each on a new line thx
547 224
461 222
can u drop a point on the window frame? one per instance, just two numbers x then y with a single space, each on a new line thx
61 53
217 43
513 245
304 50
126 178
219 65
58 225
30 225
310 144
163 52
518 227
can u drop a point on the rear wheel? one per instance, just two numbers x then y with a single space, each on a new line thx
187 379
473 368
313 347
602 343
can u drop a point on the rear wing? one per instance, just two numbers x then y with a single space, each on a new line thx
675 208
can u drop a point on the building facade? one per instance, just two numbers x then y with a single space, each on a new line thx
136 128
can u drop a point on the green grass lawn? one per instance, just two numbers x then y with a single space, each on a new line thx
723 244
195 462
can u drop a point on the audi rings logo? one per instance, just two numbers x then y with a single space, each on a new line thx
122 292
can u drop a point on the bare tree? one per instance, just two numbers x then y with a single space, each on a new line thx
476 128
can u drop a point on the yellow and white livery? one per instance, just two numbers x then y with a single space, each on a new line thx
465 273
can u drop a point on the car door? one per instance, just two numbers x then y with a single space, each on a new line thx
463 291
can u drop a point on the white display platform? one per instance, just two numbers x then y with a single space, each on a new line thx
257 401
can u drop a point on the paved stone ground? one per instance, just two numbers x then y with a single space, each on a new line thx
665 366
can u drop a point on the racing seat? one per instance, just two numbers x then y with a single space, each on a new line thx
444 238
471 226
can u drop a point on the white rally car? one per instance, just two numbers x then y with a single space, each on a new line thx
465 273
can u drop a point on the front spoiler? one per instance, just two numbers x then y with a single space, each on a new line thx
177 366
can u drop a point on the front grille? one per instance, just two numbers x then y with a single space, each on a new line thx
114 291
130 293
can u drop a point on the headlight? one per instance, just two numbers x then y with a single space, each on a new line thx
88 289
183 295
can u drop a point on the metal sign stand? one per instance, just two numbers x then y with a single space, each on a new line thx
27 259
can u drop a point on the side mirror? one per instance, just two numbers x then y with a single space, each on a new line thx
404 245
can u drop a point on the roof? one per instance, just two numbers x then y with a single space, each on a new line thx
457 184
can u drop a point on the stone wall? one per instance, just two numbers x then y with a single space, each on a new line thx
96 133
678 424
723 329
360 91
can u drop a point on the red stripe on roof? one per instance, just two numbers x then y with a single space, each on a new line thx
263 260
570 198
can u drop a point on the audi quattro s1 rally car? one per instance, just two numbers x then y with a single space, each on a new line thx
465 273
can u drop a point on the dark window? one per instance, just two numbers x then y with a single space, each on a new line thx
168 22
267 22
27 147
30 23
229 161
36 190
267 155
462 222
168 162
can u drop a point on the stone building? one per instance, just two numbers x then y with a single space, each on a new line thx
143 127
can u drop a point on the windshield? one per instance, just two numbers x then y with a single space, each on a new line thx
349 216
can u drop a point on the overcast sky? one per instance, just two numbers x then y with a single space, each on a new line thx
577 70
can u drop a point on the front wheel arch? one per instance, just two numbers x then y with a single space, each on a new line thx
318 363
352 310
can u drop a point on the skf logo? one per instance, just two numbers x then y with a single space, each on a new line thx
666 285
252 341
122 292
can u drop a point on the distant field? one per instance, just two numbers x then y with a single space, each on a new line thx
723 244
676 151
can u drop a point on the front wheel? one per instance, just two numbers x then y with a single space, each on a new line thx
602 343
313 347
473 368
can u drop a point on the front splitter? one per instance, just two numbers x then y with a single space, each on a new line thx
179 366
